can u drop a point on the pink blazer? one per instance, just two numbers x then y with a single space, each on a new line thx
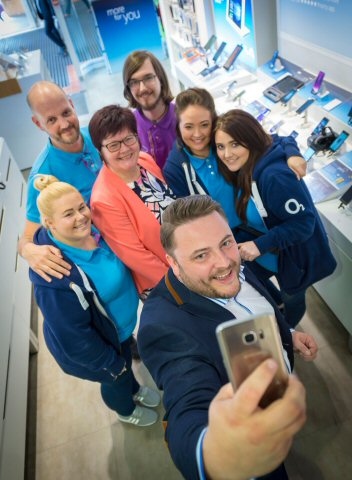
128 226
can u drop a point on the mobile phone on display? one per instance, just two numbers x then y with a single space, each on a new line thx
263 114
236 15
279 89
245 344
276 127
337 143
238 95
293 134
346 198
209 70
350 117
219 52
318 82
273 59
288 96
233 57
335 102
230 86
304 106
209 43
308 154
321 125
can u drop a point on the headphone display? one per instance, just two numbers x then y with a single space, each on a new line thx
323 140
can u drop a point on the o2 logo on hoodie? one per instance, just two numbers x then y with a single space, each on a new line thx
293 207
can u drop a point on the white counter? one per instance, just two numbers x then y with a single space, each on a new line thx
336 290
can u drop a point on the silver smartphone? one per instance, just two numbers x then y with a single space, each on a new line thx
245 344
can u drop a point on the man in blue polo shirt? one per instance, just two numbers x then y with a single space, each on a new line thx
69 155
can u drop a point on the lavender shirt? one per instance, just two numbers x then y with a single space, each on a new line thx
157 138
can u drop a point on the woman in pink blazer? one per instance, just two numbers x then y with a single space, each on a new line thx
129 196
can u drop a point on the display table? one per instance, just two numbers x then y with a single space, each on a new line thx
24 139
213 82
336 289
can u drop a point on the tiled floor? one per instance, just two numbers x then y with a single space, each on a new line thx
79 438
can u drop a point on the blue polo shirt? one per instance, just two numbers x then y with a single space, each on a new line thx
218 188
224 193
112 280
79 169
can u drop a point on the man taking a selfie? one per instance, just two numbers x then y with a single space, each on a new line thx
211 431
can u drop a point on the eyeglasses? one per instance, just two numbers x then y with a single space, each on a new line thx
147 81
115 146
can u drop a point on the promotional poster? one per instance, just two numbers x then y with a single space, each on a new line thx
234 19
125 26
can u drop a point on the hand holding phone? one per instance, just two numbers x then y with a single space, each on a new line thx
247 343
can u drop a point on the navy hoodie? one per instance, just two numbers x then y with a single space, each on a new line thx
77 331
294 224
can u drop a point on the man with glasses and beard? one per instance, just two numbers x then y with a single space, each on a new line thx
147 90
69 155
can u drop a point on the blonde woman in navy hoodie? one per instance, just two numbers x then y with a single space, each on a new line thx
277 212
89 316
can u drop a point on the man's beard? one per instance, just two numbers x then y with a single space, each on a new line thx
72 140
148 107
205 288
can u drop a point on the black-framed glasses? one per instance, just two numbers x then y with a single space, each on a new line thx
148 81
116 145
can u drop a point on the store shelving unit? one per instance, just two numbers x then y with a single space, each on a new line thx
187 23
16 336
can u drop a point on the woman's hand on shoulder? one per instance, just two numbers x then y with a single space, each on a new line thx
248 251
298 165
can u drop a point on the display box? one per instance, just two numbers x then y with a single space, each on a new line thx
9 87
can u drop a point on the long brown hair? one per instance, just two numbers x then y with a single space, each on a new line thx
248 132
190 97
132 64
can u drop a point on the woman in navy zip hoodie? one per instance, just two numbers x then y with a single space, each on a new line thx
192 166
277 212
88 326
